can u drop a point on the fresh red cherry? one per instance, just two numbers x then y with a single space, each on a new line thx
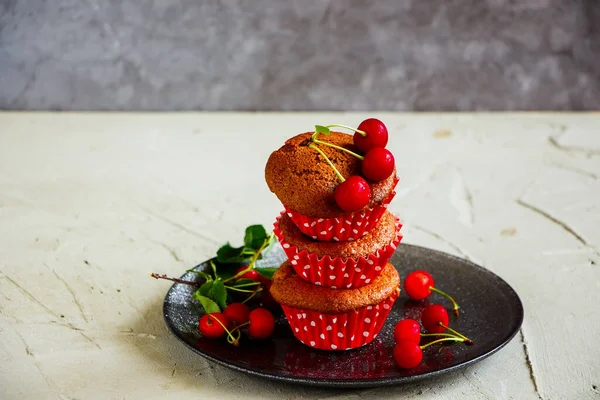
238 313
376 135
353 194
419 284
407 329
378 164
407 354
252 274
435 318
210 327
262 323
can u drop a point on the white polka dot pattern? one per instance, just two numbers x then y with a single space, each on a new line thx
339 331
341 228
336 272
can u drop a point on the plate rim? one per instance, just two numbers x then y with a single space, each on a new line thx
370 382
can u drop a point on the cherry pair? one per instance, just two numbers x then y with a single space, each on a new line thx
408 353
260 323
370 138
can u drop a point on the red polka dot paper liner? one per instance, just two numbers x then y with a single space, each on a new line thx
337 273
345 228
339 331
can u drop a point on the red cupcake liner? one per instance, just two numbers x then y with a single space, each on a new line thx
344 228
339 331
337 273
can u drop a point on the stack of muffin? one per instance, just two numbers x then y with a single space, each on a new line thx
337 287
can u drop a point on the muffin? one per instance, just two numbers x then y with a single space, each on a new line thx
305 184
335 319
341 265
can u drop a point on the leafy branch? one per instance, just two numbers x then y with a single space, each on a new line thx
218 283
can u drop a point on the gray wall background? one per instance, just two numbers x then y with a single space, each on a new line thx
300 55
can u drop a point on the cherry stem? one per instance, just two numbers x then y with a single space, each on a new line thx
312 146
262 247
446 295
164 276
460 335
438 335
243 290
239 274
233 341
335 146
454 339
253 260
249 297
237 328
245 285
363 133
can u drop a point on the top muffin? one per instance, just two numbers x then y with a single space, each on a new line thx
304 182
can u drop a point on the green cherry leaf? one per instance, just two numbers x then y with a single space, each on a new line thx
226 271
228 254
219 294
208 305
206 289
322 129
267 272
255 236
215 291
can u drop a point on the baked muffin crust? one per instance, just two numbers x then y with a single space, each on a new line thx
290 290
303 181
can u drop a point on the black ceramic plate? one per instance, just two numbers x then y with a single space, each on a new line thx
492 314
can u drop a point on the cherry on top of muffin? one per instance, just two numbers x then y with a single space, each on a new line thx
304 182
354 192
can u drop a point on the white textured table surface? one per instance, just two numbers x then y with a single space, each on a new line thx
89 204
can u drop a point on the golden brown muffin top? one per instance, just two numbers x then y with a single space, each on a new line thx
302 180
381 235
291 290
